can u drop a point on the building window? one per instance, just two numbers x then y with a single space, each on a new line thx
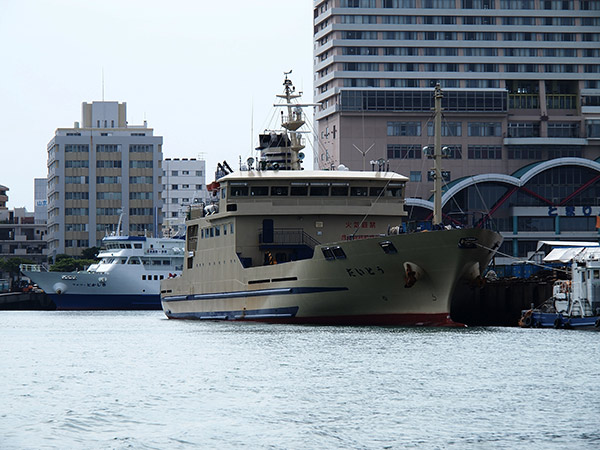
438 4
141 164
398 20
485 152
590 5
140 180
398 4
141 148
557 4
108 196
108 211
77 211
357 4
77 148
140 196
359 35
77 164
479 4
108 164
77 180
108 180
517 4
485 128
77 195
108 148
523 130
448 129
415 176
566 130
140 211
592 127
524 152
404 128
403 152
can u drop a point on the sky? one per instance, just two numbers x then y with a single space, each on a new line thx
203 74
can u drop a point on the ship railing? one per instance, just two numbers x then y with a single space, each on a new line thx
288 236
32 268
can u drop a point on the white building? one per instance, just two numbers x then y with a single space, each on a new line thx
183 185
98 171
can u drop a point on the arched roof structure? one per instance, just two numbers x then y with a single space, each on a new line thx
518 179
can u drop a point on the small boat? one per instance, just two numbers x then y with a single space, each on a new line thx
575 303
127 277
283 244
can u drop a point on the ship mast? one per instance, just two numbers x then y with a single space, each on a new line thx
437 157
293 121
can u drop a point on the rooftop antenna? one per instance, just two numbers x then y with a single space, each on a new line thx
364 153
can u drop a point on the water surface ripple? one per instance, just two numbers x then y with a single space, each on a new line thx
116 380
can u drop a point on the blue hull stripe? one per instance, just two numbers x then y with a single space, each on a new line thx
256 314
255 293
549 320
74 302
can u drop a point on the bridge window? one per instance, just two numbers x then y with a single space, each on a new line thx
359 191
319 191
239 191
339 191
278 191
299 190
259 191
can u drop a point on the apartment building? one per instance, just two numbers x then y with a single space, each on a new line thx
21 235
183 185
520 80
98 170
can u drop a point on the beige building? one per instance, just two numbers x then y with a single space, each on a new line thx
521 83
98 170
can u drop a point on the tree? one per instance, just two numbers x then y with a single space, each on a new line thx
90 253
11 265
65 263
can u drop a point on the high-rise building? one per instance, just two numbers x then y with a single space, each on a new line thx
98 171
521 84
183 185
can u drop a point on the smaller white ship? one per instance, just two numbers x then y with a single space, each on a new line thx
126 278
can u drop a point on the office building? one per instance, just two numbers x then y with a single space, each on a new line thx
521 84
183 185
98 170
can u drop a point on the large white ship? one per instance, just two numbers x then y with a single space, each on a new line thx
281 244
127 277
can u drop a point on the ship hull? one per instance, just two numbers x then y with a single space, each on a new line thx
410 282
117 302
538 319
75 291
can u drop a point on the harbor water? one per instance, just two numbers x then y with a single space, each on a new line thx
135 380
